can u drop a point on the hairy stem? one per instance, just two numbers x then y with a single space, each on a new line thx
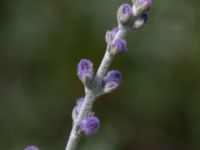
90 94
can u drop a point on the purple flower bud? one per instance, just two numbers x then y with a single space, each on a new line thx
85 70
113 75
124 13
118 47
140 6
31 148
139 22
110 35
76 109
111 81
90 125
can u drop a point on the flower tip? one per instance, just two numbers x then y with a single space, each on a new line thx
124 13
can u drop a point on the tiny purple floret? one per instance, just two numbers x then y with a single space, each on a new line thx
31 148
124 13
90 125
126 10
111 81
85 69
114 76
118 47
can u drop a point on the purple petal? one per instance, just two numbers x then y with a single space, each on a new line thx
118 47
85 69
124 13
90 125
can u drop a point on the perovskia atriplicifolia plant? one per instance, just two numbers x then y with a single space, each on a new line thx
103 81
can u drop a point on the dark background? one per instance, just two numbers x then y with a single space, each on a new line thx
157 107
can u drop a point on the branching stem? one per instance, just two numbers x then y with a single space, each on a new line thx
91 94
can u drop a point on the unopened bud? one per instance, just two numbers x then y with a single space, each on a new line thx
118 47
124 14
85 70
111 81
90 125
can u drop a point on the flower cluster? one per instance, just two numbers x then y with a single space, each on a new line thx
128 17
90 124
109 82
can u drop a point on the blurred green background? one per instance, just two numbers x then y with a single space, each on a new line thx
157 107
